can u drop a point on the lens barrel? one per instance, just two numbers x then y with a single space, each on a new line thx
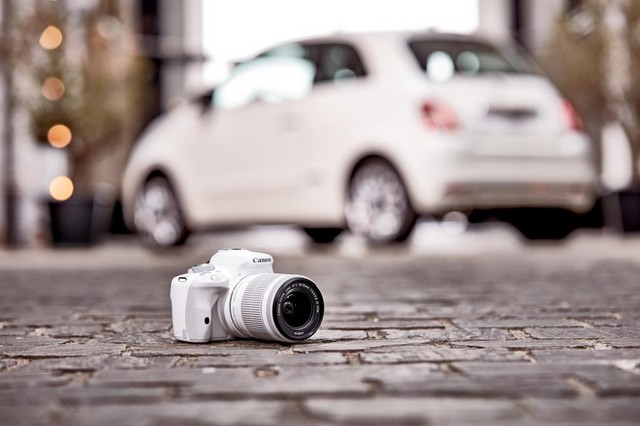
280 307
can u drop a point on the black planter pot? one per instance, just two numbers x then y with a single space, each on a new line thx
118 225
621 210
80 221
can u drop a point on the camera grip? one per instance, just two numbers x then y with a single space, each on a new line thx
193 300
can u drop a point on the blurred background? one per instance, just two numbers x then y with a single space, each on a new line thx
81 81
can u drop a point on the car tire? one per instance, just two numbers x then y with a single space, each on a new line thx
543 224
378 206
158 216
323 235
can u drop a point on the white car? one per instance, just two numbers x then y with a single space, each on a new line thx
365 132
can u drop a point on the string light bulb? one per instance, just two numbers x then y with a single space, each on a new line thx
59 136
51 38
61 188
52 88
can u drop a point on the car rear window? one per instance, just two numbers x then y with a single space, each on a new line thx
441 59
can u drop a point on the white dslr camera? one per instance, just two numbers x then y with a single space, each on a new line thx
236 294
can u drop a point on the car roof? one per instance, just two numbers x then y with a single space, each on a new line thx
406 35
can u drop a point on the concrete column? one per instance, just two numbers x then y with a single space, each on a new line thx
171 24
181 41
542 18
537 19
494 19
192 44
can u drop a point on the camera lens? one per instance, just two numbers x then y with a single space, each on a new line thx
297 309
279 307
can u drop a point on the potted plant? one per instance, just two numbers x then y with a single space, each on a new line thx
83 90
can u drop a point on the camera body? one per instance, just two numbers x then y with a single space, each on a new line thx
237 294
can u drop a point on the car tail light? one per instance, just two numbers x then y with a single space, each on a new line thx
572 118
439 116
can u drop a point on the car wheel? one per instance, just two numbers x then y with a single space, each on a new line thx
158 217
378 206
543 224
323 235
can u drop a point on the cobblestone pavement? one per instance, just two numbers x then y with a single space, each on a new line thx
533 335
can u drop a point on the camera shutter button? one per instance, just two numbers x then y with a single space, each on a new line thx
218 278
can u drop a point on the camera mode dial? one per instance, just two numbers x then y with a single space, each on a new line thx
203 267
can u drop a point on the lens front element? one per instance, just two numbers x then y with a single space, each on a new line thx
298 308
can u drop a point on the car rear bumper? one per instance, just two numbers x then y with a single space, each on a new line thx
577 196
450 179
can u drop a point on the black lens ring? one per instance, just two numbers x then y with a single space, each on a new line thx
306 286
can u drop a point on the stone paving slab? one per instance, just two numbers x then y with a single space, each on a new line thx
427 353
409 411
605 411
586 356
583 333
543 336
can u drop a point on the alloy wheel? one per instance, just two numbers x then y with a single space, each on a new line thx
378 207
157 214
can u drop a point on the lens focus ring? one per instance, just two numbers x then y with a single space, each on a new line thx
251 306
